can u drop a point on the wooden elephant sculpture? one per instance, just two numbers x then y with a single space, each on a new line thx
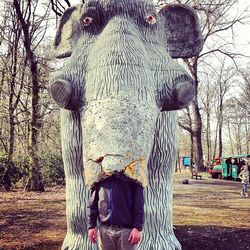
118 89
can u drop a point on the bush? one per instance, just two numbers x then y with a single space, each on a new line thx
23 163
52 169
18 170
10 172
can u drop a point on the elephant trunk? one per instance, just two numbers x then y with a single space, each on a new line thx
119 135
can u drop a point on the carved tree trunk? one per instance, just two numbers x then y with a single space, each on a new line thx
76 190
158 228
121 96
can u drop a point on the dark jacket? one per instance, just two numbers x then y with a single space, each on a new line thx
116 201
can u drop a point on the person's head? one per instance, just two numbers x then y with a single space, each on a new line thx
248 159
244 166
243 162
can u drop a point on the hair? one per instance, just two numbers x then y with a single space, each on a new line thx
243 163
245 167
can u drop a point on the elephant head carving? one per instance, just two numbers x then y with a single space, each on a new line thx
119 72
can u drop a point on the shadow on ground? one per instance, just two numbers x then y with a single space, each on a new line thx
212 238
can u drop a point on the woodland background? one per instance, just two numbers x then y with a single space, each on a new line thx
216 123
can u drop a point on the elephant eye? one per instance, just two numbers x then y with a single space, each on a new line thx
88 20
151 19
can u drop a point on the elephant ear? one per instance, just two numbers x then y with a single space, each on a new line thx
65 32
184 38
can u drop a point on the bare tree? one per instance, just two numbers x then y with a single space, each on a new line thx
13 67
224 84
28 121
207 93
215 19
185 122
59 6
26 14
245 79
238 114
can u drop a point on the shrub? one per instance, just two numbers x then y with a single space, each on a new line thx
10 172
22 161
52 169
18 170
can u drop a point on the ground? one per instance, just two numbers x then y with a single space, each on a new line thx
209 214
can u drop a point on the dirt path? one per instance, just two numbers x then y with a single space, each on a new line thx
208 215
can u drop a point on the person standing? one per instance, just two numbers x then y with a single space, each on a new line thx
248 162
244 176
117 203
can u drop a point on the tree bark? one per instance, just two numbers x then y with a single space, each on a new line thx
196 116
2 144
197 126
35 180
207 105
220 139
12 55
247 133
230 137
220 123
76 190
11 110
208 139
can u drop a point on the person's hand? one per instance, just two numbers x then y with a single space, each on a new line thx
92 234
134 237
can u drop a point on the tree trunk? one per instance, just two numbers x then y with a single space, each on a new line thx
215 141
1 122
239 140
220 139
230 138
159 194
15 37
208 140
192 148
3 146
247 134
76 190
189 129
208 130
196 116
197 131
220 123
158 228
35 181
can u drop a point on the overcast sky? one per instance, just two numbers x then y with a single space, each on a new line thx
243 31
